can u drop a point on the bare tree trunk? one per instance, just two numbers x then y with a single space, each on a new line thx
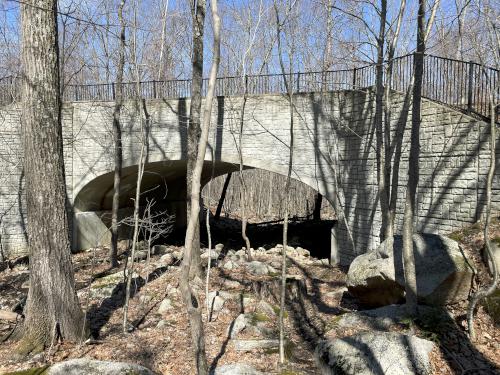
191 301
222 196
198 10
379 112
129 269
392 190
209 236
413 169
52 307
162 40
117 138
486 291
289 89
243 188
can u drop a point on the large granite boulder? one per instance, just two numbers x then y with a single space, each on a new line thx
375 353
237 369
85 366
444 274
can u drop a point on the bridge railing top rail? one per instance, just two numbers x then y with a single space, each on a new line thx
460 84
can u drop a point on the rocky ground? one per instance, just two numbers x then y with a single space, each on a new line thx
241 322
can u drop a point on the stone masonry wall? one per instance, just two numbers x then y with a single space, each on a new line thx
333 136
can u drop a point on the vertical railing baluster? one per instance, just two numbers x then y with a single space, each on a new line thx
469 89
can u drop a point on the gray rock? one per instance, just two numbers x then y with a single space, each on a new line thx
172 290
238 325
159 249
375 353
237 369
217 299
249 345
265 308
231 284
275 264
167 260
230 252
162 323
141 245
140 255
219 247
303 252
214 255
178 255
145 298
104 286
275 250
230 265
248 302
443 273
85 366
259 268
165 305
359 320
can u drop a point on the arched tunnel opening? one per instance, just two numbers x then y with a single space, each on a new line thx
310 217
163 189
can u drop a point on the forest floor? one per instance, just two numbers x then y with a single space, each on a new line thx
160 340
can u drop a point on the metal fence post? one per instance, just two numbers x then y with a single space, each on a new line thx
354 74
113 90
154 89
298 82
469 88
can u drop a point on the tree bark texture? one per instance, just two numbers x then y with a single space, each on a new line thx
117 138
191 301
391 144
198 10
490 289
379 111
413 168
52 306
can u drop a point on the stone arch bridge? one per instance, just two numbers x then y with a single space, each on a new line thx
334 153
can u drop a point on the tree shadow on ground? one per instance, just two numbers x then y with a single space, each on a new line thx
433 324
456 347
99 315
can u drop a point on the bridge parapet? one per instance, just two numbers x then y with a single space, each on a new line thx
462 85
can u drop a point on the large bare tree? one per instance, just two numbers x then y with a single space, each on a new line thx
52 307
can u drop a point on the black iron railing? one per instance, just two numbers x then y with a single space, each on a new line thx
460 84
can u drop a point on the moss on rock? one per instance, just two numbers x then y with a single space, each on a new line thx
32 371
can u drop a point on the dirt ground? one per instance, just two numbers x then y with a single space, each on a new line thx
161 342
